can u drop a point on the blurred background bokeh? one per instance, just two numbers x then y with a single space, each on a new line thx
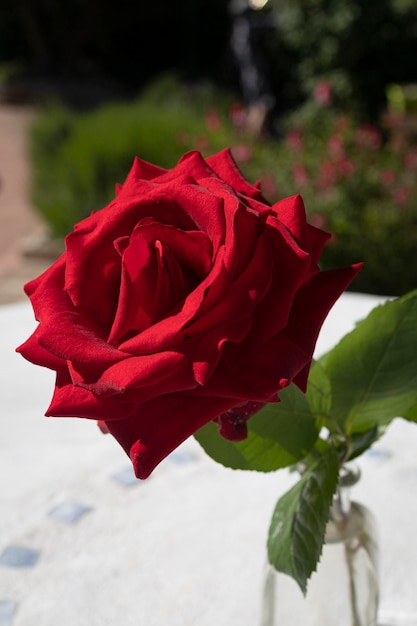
317 97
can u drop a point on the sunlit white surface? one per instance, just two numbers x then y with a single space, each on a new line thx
187 546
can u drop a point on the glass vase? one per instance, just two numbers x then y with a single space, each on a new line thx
344 589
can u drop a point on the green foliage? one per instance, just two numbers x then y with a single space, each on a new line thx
373 370
354 392
297 530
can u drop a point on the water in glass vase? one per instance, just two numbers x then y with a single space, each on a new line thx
344 589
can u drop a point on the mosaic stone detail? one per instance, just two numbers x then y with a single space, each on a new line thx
125 477
19 556
7 610
68 512
181 457
378 454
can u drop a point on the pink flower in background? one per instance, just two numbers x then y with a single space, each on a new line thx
242 153
300 175
237 115
213 121
182 138
294 139
392 120
368 136
319 220
345 167
327 175
323 94
397 143
201 143
400 196
341 124
410 158
269 186
336 146
387 177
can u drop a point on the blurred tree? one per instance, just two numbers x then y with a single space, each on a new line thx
124 41
56 35
358 45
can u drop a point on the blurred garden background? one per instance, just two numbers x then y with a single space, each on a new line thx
317 97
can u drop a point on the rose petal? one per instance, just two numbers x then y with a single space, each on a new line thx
191 165
257 374
318 239
66 332
225 167
170 332
158 283
317 298
139 378
70 400
141 170
92 258
290 268
35 353
161 425
192 248
243 293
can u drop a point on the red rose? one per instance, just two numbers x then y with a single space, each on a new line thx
187 299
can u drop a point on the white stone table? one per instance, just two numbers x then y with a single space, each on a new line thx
184 548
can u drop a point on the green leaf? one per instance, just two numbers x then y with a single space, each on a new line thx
362 441
411 414
319 391
279 435
373 370
254 453
298 525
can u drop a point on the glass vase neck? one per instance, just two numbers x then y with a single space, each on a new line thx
349 475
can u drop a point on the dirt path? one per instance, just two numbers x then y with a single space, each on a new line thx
18 220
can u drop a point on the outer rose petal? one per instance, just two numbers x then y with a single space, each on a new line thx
64 331
317 298
35 353
72 401
291 212
143 376
141 170
161 425
225 167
